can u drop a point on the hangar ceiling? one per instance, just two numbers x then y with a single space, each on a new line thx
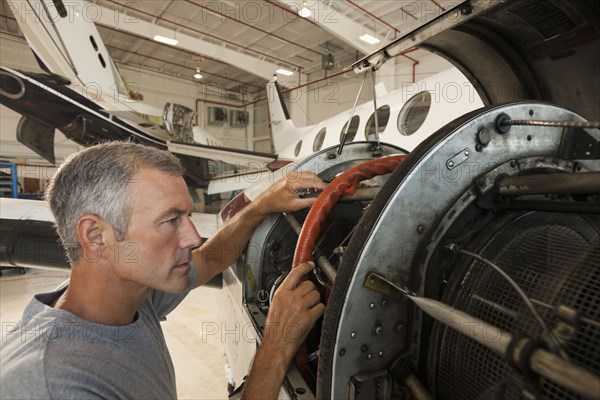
238 44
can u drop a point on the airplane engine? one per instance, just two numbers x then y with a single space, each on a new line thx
470 272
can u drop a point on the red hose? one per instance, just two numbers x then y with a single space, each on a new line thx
343 185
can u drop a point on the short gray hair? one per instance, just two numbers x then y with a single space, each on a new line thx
95 181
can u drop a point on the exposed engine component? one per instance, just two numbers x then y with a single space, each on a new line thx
37 136
179 121
527 202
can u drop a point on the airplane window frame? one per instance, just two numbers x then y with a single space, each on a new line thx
382 121
352 130
298 148
319 139
409 107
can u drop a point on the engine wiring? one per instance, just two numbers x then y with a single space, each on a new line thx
454 248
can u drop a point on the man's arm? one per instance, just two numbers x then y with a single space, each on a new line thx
228 243
295 309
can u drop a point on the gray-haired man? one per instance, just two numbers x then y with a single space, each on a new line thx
122 213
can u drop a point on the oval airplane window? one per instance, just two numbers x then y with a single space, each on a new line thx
413 113
383 116
318 143
352 130
297 149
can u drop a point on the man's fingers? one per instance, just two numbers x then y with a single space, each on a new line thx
304 180
317 311
300 204
306 287
296 274
313 298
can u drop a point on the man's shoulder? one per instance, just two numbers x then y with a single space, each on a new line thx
22 361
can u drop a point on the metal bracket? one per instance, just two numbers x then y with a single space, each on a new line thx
458 158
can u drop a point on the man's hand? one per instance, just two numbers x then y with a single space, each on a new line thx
282 196
295 309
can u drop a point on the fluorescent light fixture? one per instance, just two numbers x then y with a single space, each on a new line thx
166 40
198 75
284 72
369 39
304 11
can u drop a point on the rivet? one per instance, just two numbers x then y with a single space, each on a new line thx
372 306
381 353
384 303
369 356
342 352
420 229
353 335
363 348
400 327
467 153
451 164
378 329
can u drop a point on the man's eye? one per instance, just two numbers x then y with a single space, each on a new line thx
172 221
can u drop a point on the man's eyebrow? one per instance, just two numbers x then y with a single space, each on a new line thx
171 212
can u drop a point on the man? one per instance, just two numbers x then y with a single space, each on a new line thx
122 213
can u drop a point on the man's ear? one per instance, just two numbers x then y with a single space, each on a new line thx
94 235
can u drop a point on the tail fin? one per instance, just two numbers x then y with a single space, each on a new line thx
66 43
283 130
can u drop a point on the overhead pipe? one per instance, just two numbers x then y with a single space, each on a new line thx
396 30
254 27
414 66
439 6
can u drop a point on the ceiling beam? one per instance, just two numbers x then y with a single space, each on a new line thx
119 21
328 17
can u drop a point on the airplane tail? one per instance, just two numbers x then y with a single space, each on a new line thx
68 44
283 130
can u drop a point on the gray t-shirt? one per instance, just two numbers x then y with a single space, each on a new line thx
54 354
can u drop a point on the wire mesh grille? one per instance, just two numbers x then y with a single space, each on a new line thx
555 259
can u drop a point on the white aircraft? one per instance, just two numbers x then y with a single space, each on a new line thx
405 117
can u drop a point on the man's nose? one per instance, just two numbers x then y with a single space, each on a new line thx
189 235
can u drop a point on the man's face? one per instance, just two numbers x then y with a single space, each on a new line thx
157 250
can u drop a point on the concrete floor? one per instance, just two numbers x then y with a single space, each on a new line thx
199 361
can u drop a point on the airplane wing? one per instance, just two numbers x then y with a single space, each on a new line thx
249 166
242 159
